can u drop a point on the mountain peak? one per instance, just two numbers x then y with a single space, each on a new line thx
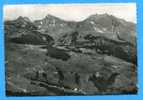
21 18
49 16
52 17
101 15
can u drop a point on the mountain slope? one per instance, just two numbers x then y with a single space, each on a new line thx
17 27
22 30
97 25
108 26
53 26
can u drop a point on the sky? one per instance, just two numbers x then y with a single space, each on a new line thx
71 12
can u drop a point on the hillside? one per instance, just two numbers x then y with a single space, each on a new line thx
103 24
52 56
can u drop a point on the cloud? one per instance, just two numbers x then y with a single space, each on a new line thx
75 12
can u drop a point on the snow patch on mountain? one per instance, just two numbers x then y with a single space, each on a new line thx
98 30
